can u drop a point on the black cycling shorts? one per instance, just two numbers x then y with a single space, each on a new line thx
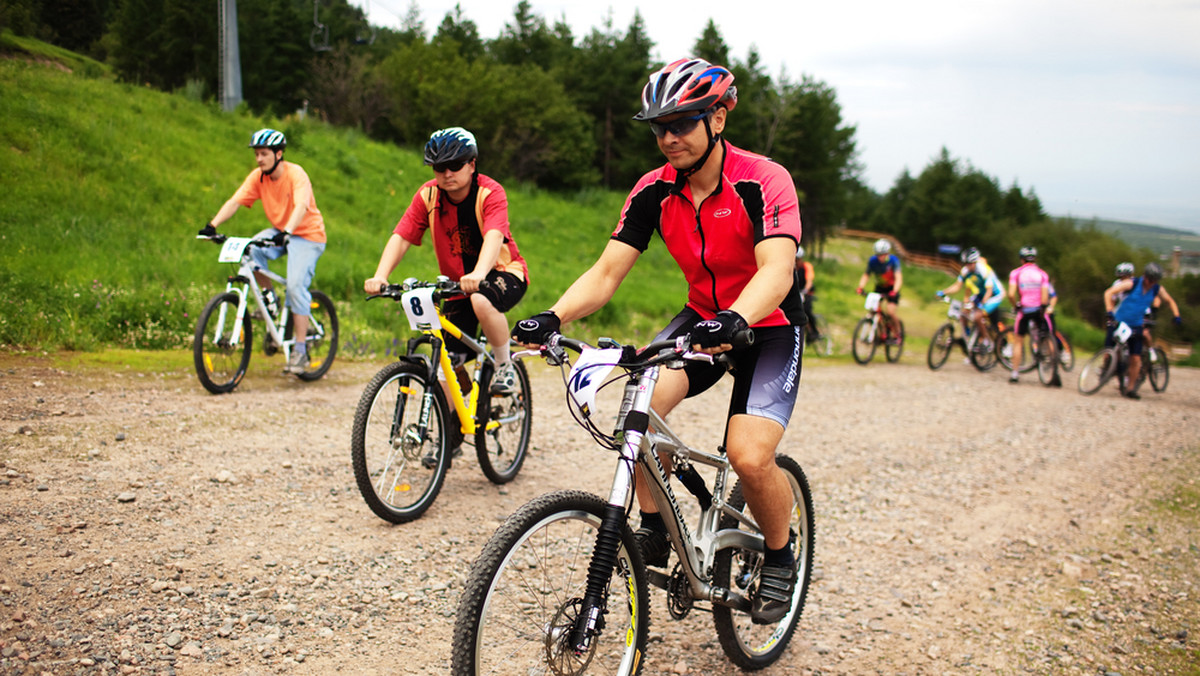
766 375
503 289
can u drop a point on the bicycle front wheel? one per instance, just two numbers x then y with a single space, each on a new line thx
502 432
517 610
863 341
322 338
400 464
1097 371
749 645
221 348
1160 369
940 346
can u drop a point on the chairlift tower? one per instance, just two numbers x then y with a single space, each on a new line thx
231 62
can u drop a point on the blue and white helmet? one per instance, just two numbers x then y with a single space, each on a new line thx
268 138
450 145
1125 269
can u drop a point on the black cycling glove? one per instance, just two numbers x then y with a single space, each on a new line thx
719 330
207 231
537 329
280 238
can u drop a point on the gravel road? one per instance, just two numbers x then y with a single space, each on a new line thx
963 526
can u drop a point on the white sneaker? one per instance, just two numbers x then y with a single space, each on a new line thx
297 363
504 381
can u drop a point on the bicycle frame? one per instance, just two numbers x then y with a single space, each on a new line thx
644 434
242 284
433 330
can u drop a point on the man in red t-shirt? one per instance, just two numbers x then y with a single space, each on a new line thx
467 215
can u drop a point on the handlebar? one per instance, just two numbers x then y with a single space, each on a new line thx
443 287
633 358
220 239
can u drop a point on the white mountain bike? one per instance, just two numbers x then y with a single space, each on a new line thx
562 588
224 337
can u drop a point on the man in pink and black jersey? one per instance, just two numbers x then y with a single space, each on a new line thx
731 221
467 214
1029 291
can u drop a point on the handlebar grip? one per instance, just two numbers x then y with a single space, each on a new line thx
743 339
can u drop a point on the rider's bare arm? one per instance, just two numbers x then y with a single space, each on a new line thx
596 287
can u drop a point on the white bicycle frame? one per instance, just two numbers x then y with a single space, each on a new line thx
698 550
237 250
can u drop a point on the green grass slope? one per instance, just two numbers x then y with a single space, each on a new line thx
105 185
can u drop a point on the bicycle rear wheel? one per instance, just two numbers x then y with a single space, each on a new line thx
822 344
1097 371
863 341
1047 360
1160 369
893 350
221 348
322 339
400 467
502 432
940 346
983 352
749 645
520 603
1004 350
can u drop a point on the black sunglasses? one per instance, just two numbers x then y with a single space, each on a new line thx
440 167
679 127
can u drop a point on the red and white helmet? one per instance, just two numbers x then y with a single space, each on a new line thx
686 85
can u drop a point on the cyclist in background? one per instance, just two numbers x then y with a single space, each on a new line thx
297 228
804 280
1139 294
467 213
886 267
980 286
1029 292
731 221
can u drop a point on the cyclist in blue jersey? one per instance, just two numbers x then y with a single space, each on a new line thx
1140 294
980 286
886 267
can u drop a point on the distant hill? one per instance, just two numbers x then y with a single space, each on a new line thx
1160 240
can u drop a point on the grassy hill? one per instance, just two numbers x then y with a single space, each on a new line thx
105 185
1156 238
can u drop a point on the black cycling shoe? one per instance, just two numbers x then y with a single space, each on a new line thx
773 599
655 546
429 461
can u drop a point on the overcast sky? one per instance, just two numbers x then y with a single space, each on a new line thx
1094 104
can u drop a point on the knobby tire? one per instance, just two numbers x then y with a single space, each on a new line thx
387 449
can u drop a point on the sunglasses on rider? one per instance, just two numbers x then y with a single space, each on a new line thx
440 167
679 127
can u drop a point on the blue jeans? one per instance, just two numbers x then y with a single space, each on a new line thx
301 266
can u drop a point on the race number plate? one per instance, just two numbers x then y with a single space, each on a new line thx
872 303
421 310
1122 332
231 250
588 374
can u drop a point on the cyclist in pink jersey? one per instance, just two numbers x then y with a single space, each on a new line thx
1029 292
731 221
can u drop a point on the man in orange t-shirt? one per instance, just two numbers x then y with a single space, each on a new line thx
297 229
